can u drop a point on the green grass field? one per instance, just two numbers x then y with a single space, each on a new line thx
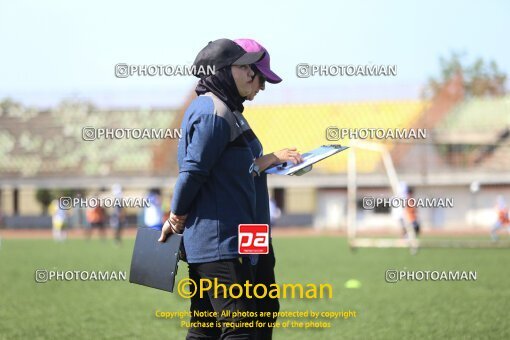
409 310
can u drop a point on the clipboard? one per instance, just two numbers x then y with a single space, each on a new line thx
154 264
309 158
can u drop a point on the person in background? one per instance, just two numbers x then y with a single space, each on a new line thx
58 220
96 217
503 219
117 217
153 214
412 214
398 212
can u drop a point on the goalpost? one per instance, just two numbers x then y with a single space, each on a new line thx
354 242
411 242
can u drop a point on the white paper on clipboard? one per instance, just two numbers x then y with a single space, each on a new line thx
309 158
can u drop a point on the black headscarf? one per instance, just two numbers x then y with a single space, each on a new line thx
222 84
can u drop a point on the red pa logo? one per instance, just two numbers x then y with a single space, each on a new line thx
253 239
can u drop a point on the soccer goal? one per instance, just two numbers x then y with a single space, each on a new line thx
393 236
354 240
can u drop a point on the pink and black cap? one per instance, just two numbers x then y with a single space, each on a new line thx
222 53
263 65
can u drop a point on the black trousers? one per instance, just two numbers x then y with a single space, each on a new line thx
264 274
229 272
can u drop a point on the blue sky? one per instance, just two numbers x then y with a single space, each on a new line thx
59 49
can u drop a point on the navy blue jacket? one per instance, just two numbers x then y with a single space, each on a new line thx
215 187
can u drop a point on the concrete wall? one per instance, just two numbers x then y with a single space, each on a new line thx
327 208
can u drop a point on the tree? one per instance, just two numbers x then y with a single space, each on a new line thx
44 197
481 78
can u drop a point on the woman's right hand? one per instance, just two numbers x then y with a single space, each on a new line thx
174 222
288 155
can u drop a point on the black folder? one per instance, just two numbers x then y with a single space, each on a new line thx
154 264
